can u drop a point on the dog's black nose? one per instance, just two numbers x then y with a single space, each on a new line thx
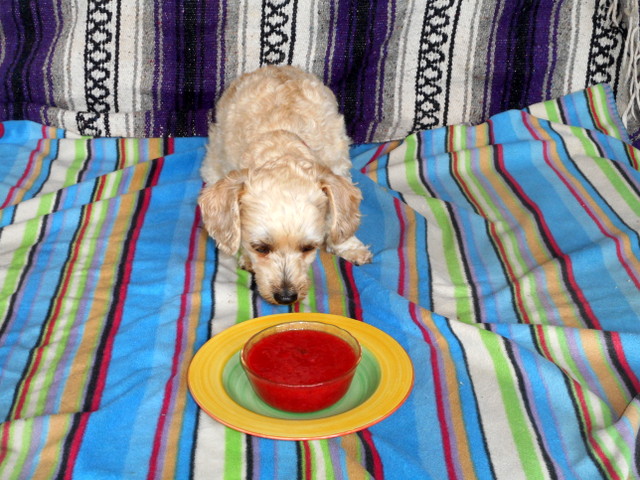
285 296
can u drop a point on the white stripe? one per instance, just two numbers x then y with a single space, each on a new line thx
249 42
306 31
210 449
581 29
404 91
15 450
462 82
486 385
130 48
73 57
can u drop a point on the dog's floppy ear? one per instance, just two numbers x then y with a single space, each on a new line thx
220 208
344 201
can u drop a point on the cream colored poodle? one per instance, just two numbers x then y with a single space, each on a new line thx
277 180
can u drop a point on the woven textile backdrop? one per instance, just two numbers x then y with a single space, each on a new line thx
155 68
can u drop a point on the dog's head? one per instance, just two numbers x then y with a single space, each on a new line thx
278 217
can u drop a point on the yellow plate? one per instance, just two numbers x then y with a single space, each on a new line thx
207 384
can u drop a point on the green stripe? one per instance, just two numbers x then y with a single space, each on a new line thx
411 165
343 288
81 156
23 438
459 134
132 151
621 186
479 195
46 204
596 406
553 111
243 294
70 303
603 112
311 300
95 228
588 145
233 454
464 307
519 424
18 262
623 469
323 445
511 245
73 297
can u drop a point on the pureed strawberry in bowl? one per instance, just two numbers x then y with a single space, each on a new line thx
301 366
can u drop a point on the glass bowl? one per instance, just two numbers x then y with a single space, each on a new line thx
301 366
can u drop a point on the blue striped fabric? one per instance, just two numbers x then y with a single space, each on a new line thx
506 264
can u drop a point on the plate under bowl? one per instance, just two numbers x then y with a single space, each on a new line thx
206 379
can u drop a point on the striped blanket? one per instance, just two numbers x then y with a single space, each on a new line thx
506 263
151 68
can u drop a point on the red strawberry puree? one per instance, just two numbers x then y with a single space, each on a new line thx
301 359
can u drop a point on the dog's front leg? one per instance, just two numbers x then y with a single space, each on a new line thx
352 250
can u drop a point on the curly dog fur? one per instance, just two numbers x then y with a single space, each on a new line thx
277 180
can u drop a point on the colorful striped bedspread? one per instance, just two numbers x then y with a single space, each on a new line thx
506 263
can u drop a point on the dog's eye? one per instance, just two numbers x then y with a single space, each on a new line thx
307 248
262 248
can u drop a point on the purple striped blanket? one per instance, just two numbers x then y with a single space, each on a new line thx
506 264
154 68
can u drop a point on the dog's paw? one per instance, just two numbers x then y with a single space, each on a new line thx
352 250
358 256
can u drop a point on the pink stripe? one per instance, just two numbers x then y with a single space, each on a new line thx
445 434
51 324
357 302
375 156
117 320
496 236
378 470
5 440
24 176
620 356
631 151
585 206
401 258
544 226
58 306
170 387
596 324
622 359
594 114
308 471
588 427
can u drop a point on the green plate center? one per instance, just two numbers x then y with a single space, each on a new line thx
365 382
